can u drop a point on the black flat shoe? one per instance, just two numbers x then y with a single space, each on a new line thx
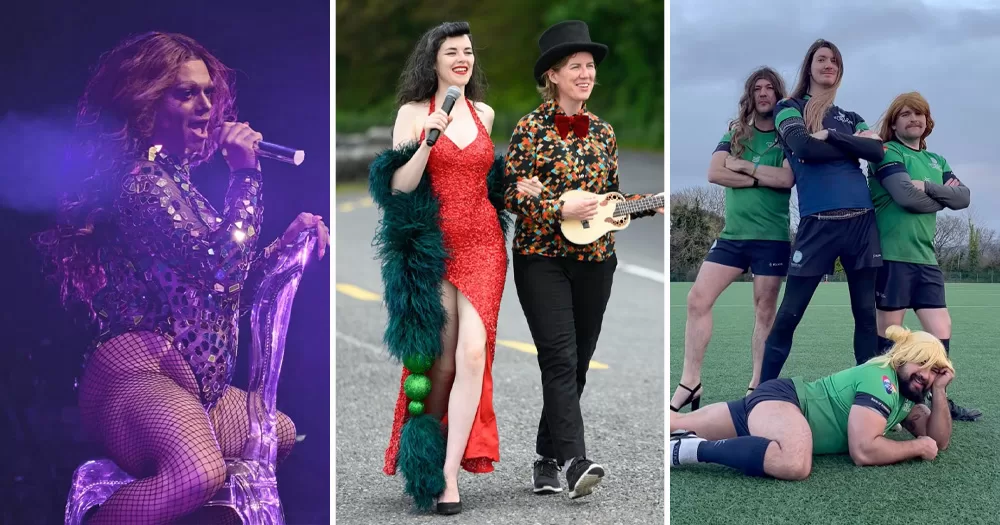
695 402
449 508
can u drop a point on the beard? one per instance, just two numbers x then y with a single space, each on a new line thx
911 390
766 115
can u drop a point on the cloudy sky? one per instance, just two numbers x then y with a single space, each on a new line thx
946 50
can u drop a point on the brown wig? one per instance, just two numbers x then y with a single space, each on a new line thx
818 104
741 127
914 101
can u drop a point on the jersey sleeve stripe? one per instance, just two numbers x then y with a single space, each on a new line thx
785 114
869 401
889 168
723 146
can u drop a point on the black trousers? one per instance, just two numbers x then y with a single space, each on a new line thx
564 302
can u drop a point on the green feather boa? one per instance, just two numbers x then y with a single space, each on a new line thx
410 245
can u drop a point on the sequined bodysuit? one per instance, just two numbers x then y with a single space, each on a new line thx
177 267
476 265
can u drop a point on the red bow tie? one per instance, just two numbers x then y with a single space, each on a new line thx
580 124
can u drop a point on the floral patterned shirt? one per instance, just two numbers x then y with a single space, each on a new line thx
575 163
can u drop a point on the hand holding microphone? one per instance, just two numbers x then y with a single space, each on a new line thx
437 121
241 146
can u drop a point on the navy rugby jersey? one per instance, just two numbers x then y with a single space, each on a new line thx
828 174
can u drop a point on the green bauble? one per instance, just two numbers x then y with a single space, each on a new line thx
416 408
417 387
418 364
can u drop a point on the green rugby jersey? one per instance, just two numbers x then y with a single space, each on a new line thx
826 403
760 213
906 236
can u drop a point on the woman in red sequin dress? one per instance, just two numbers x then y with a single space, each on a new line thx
475 267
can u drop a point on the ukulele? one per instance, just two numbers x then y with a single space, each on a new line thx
613 214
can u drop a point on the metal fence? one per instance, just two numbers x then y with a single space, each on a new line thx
981 276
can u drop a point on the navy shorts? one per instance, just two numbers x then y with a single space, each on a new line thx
819 242
902 285
767 258
781 389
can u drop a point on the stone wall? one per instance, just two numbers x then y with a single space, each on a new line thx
355 152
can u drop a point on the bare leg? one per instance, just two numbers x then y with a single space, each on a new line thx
779 445
937 321
765 305
712 422
789 456
884 319
442 373
470 364
712 280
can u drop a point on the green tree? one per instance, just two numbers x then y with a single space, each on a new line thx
974 250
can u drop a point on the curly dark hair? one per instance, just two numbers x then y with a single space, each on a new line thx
114 124
419 81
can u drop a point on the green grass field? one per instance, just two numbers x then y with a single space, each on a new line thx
961 486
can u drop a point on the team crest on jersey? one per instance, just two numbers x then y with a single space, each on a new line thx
755 159
935 165
842 117
889 387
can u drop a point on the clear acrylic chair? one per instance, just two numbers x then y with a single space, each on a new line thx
251 488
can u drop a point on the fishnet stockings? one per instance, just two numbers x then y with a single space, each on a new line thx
138 398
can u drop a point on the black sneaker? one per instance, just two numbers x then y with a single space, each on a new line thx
582 476
545 477
963 414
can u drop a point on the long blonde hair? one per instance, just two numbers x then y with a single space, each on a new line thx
917 103
919 348
818 104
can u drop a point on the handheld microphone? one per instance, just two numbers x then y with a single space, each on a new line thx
449 102
269 150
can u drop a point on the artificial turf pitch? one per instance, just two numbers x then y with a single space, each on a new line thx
961 486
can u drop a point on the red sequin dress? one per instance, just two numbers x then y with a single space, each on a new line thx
477 266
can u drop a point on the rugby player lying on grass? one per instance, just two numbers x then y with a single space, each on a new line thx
777 429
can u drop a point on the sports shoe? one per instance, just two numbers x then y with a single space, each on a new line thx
959 413
545 476
582 476
683 447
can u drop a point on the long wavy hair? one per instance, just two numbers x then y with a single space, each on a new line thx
819 103
741 127
419 81
917 103
919 348
114 124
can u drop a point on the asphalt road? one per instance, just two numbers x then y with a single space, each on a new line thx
622 404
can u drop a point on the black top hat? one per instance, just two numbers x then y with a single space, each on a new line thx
562 40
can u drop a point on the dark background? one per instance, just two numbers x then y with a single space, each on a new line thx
280 51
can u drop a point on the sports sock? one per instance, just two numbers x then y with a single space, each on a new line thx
744 453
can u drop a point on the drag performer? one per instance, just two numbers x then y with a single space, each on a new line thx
749 163
444 263
824 144
164 274
777 429
908 188
563 288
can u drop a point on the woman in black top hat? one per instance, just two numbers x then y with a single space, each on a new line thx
563 288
